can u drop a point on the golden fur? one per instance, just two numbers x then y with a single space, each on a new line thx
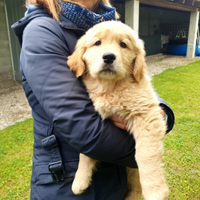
122 87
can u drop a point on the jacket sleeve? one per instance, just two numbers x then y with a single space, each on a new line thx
169 113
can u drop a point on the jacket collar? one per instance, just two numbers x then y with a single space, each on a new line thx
64 22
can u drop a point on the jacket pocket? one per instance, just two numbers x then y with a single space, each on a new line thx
44 176
43 187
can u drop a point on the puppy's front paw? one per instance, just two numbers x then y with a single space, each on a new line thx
81 182
157 193
78 187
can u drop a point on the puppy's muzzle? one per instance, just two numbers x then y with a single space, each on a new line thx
108 66
109 58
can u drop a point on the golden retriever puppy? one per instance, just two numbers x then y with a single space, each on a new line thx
110 59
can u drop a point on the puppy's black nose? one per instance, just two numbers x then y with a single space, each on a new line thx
109 58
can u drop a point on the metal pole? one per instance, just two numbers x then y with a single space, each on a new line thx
8 30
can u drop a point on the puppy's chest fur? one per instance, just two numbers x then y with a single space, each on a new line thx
125 99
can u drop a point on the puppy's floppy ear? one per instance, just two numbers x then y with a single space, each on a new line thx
75 61
139 64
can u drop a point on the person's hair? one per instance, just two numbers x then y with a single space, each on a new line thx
54 8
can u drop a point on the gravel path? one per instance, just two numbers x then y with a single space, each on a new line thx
14 106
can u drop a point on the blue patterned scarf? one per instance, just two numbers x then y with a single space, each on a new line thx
84 18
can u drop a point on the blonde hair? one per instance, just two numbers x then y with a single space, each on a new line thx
54 7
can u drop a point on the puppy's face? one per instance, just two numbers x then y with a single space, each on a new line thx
109 51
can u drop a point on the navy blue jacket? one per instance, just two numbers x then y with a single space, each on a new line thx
61 107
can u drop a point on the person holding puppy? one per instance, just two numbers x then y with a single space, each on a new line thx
65 122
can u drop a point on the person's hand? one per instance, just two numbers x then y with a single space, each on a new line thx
163 113
118 121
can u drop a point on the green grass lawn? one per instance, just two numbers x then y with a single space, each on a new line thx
15 161
180 87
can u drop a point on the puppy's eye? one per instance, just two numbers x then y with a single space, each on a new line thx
97 43
123 45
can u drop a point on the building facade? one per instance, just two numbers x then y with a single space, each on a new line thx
156 21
